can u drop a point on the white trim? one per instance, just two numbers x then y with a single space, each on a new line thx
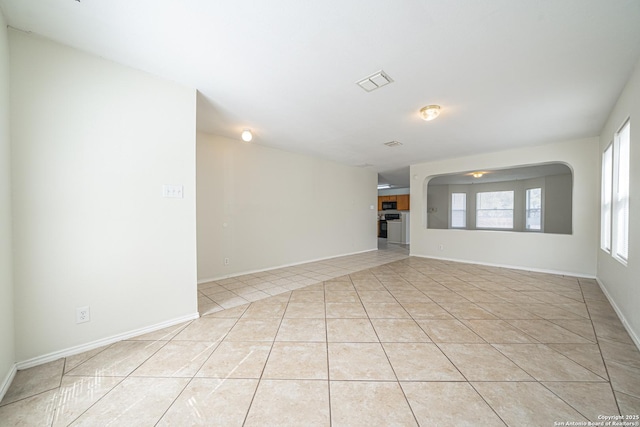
512 267
200 281
50 357
8 379
627 326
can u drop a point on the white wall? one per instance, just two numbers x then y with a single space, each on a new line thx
621 282
7 348
263 208
92 144
574 254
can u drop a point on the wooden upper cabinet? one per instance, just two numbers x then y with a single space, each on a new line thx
403 202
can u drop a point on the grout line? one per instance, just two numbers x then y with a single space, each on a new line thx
400 276
595 334
326 344
219 342
267 359
487 403
384 350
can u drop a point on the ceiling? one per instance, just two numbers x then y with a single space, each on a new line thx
502 175
506 73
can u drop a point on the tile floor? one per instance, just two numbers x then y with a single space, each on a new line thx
410 342
235 291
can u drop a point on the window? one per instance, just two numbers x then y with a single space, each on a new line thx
621 193
452 200
614 227
494 210
458 210
533 209
607 187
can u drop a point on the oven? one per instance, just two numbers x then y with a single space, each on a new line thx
382 228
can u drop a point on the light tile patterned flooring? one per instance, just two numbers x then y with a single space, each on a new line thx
235 291
411 342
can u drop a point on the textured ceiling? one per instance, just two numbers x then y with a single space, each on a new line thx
506 73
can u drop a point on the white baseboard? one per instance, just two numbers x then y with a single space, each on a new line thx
512 267
50 357
211 279
6 382
630 331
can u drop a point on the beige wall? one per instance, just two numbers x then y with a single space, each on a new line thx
438 200
573 254
92 144
7 348
263 208
557 187
622 282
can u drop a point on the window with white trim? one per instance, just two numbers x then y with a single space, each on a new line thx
620 208
458 210
614 226
494 209
533 209
605 204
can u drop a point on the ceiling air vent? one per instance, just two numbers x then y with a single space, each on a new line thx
393 143
375 81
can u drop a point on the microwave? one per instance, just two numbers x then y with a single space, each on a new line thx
389 206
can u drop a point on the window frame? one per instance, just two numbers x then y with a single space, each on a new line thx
620 194
513 198
464 211
527 209
606 199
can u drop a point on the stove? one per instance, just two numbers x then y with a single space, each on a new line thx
382 229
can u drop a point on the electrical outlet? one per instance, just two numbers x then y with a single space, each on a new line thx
441 247
83 314
226 261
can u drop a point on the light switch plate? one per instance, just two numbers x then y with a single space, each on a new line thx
173 191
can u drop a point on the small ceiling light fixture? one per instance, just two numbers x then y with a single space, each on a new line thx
247 136
393 143
477 174
430 112
383 186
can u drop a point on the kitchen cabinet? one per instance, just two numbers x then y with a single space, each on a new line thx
401 199
403 202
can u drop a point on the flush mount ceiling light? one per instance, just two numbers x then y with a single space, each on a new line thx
383 186
393 143
430 112
374 81
477 174
247 135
